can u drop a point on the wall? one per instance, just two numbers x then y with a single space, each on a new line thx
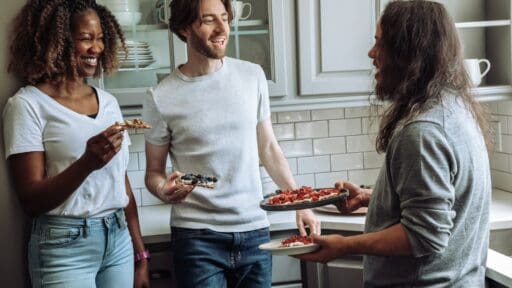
501 160
12 263
322 146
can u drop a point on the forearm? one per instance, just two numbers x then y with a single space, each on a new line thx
39 197
155 181
277 167
392 241
132 218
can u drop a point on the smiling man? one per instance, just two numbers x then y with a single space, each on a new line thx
212 116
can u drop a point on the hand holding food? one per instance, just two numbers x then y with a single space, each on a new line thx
100 149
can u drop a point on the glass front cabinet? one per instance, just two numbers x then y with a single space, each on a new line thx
153 51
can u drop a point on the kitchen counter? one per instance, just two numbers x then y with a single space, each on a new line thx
154 222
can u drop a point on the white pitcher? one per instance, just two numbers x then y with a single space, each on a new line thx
474 71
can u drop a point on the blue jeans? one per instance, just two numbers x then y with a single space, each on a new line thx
206 258
76 252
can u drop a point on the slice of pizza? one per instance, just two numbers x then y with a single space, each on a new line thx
135 124
198 180
296 240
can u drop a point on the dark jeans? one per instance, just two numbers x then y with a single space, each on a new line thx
206 258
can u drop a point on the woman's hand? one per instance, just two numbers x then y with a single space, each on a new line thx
172 192
141 274
356 199
103 147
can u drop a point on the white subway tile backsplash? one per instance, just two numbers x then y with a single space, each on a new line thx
133 162
505 108
350 161
138 143
370 125
293 165
284 131
373 160
327 114
136 179
506 144
344 127
493 107
305 180
138 197
142 160
269 187
273 117
500 161
361 143
316 129
298 116
314 164
501 180
363 177
333 145
357 112
149 199
297 148
325 180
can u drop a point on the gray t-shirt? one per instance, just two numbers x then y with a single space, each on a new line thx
436 182
210 122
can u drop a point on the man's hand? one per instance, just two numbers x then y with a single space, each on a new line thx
171 192
356 199
331 247
307 217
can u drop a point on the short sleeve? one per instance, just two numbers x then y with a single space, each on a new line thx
159 133
421 166
263 101
22 127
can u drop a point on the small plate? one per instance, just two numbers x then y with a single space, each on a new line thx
274 248
304 205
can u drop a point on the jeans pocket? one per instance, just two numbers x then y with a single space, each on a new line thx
60 236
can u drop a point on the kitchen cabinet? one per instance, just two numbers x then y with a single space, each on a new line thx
346 272
334 38
485 30
154 51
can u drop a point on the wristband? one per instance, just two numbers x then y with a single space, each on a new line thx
142 255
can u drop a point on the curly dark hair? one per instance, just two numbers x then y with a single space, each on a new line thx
42 46
422 58
185 12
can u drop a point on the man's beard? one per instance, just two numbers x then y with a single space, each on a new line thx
203 49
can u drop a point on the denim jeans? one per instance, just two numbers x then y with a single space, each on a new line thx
206 258
76 252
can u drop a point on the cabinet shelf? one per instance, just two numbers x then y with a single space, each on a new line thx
143 69
482 24
250 32
247 23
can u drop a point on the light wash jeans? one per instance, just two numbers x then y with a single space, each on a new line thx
81 253
205 258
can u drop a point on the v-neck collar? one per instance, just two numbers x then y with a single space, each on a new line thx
69 111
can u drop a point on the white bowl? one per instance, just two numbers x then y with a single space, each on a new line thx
127 18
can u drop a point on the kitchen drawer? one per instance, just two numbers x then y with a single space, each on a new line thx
285 269
346 272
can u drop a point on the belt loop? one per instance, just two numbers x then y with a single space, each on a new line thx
120 218
86 227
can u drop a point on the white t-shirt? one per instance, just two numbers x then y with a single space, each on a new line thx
33 121
210 122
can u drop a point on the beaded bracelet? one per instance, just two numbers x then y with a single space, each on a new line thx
142 255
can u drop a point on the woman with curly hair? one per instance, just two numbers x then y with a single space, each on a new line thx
66 152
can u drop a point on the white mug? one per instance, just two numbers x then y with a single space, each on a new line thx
474 72
238 10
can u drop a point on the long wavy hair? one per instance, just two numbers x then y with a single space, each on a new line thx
42 46
185 12
421 57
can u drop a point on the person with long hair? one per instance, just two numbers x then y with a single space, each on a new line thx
428 213
66 152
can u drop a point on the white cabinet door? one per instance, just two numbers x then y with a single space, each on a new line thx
334 39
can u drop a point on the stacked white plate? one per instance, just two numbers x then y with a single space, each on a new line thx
139 55
127 12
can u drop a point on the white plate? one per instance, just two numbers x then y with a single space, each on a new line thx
274 248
